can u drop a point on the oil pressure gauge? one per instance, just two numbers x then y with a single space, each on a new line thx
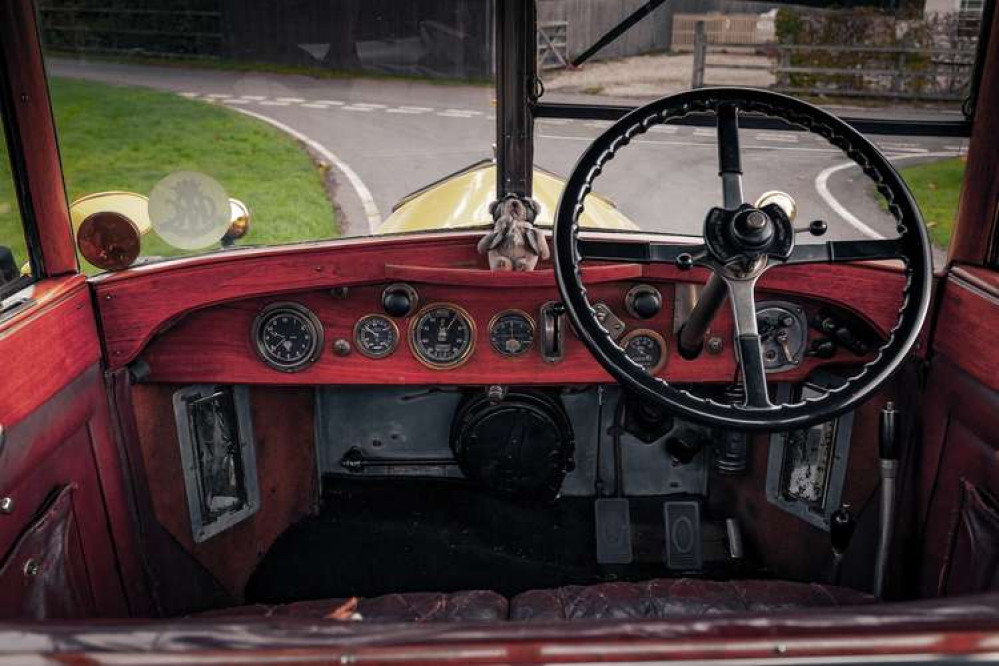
376 336
646 348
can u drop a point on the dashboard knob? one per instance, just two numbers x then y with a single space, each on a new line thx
643 302
399 300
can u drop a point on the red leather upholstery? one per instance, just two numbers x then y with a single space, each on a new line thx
652 599
676 597
474 606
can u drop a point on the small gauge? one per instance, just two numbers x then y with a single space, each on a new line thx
288 336
511 333
442 336
376 336
646 348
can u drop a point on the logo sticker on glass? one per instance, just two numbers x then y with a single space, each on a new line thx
189 210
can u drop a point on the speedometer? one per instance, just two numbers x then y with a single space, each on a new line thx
442 336
288 336
646 348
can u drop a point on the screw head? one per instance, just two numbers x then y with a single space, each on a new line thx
7 505
341 347
715 345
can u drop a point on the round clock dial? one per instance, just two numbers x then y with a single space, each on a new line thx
288 336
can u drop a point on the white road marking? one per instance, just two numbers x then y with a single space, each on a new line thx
780 138
290 100
189 94
401 110
703 131
369 105
664 129
599 124
270 102
822 187
330 102
363 193
254 98
236 101
453 114
417 109
469 112
357 108
219 95
312 105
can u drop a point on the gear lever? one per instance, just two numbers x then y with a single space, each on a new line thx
841 527
888 469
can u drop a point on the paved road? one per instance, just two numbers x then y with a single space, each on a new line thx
396 136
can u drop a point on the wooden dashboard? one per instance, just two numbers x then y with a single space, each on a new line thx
191 320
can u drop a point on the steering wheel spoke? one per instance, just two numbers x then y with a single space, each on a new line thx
729 156
639 252
750 354
844 251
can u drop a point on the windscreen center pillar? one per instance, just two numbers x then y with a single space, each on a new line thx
516 91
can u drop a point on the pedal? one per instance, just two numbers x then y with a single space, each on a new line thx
683 535
613 530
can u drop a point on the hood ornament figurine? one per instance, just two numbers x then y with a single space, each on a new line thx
514 244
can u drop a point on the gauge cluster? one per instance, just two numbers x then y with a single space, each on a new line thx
410 329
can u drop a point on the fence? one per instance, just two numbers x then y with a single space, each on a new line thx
940 75
743 29
553 44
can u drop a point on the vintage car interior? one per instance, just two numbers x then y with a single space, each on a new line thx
391 429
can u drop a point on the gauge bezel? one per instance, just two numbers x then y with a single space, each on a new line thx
504 313
414 344
663 347
296 310
357 338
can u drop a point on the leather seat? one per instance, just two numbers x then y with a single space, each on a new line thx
648 600
473 606
676 597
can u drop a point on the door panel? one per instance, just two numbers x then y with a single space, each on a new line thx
57 441
958 470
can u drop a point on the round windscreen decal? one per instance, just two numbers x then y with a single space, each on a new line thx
189 210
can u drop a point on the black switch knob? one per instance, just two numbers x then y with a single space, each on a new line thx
399 300
841 527
643 302
823 349
683 447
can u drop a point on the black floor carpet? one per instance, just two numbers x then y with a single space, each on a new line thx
406 536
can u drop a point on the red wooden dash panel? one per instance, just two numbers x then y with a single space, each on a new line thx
137 304
216 345
477 277
965 331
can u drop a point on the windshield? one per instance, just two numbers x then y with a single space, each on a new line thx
221 125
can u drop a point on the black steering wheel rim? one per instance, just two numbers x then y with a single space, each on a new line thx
913 248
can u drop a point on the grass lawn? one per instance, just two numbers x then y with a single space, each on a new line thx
937 187
123 138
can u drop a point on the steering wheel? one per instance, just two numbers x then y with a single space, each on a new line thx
740 243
